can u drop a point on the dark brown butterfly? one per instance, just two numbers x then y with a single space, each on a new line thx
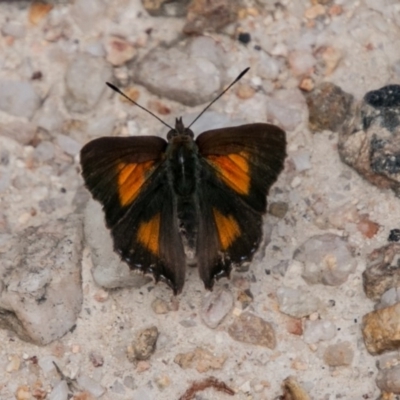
205 197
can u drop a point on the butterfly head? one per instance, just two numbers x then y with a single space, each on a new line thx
180 130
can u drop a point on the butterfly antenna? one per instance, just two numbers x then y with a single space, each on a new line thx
110 85
221 94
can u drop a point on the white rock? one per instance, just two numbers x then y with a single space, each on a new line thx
87 12
101 126
301 160
327 259
18 98
301 62
89 384
41 277
46 363
173 74
13 28
288 107
49 116
215 306
44 151
68 145
60 391
296 302
389 298
319 330
84 82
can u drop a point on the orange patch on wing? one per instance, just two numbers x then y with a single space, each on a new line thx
228 229
148 234
234 169
130 179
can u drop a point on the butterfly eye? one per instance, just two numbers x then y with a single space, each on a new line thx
172 133
189 132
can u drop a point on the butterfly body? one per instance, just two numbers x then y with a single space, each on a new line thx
200 199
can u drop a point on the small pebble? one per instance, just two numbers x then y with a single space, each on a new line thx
319 330
96 359
381 329
249 328
144 345
91 385
315 11
101 296
394 235
327 259
201 359
118 51
38 11
18 98
297 303
215 306
162 381
60 391
339 354
388 380
23 393
367 227
244 37
14 363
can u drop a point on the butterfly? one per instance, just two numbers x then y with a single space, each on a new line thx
167 202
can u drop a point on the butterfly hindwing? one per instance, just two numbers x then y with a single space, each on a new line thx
229 230
127 176
239 165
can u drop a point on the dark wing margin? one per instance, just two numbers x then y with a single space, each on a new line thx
239 165
127 177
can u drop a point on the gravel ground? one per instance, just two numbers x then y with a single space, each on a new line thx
260 327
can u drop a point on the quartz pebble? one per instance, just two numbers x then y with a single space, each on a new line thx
60 391
287 108
215 306
68 145
84 81
389 298
296 302
327 259
319 330
160 72
21 132
18 98
91 385
119 51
